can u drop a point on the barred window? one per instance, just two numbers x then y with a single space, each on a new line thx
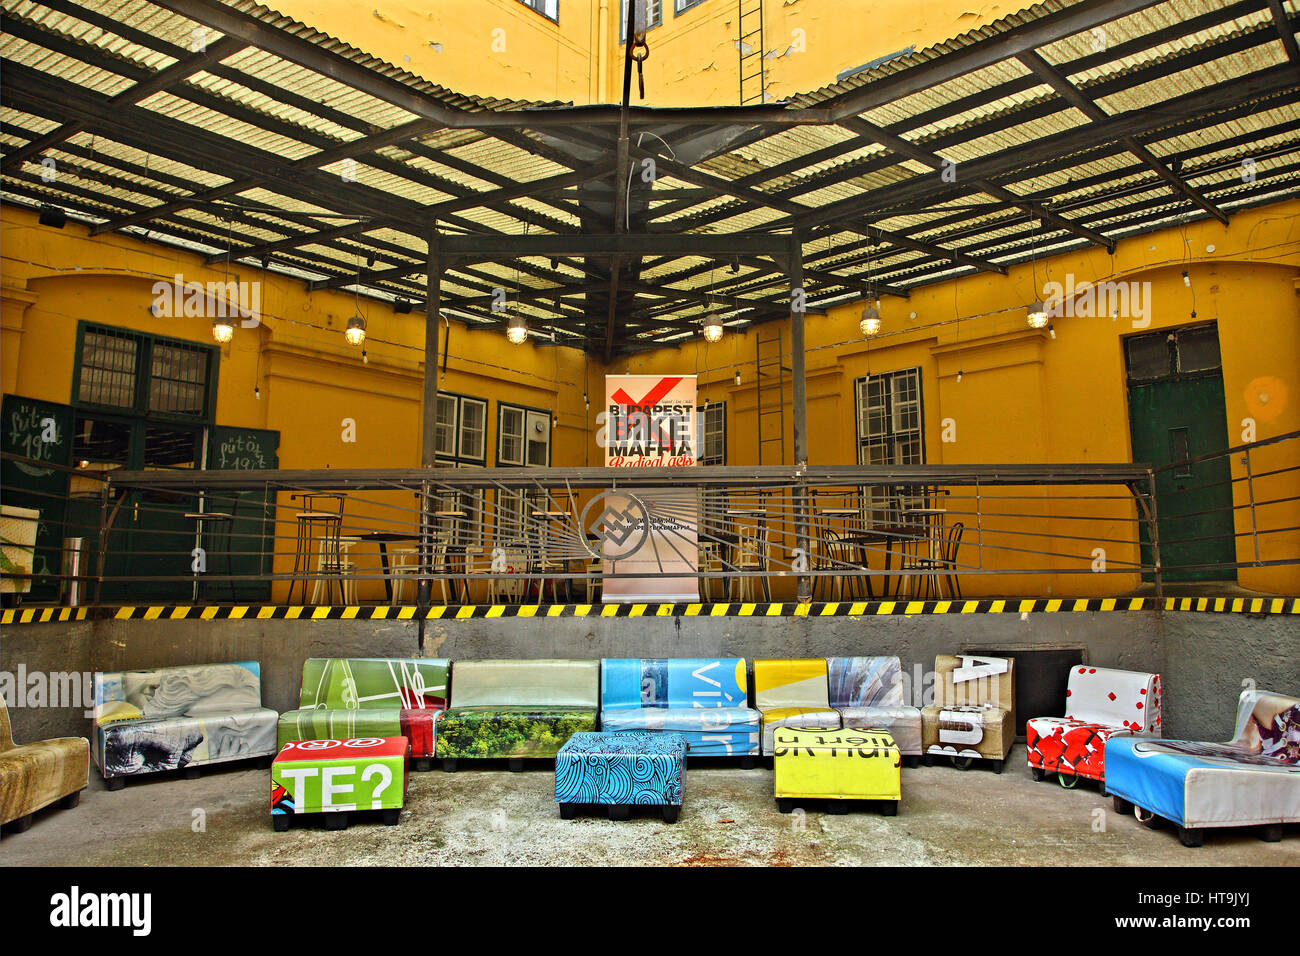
890 431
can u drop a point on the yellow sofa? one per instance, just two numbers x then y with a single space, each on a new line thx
33 776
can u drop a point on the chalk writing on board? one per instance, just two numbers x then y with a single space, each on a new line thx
33 434
241 453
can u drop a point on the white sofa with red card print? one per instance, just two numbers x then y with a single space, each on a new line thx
1100 703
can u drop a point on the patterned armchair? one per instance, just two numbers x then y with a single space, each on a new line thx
973 714
370 697
703 699
868 693
33 776
1100 703
792 693
179 718
1252 780
517 709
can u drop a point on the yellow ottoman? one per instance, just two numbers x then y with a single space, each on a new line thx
837 766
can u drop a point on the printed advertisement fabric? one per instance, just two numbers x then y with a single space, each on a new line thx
339 776
1252 780
487 731
374 683
621 769
794 682
865 681
369 697
526 683
967 731
968 680
836 765
417 726
675 682
1114 698
901 723
708 731
173 717
654 534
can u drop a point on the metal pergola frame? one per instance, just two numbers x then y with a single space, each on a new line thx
603 264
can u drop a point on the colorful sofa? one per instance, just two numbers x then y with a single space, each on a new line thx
792 693
703 699
370 697
868 694
1100 703
973 714
517 709
1251 781
33 776
179 717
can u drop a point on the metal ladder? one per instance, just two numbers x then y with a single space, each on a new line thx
769 384
753 68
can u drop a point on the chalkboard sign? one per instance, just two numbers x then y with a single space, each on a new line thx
42 431
251 532
242 449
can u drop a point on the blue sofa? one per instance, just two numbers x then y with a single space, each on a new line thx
706 700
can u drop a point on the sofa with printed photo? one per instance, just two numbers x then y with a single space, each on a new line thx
179 718
1253 780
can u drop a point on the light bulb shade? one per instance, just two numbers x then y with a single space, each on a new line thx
355 333
223 330
870 323
517 330
1037 316
712 328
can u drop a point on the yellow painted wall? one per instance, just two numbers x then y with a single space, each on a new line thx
1025 397
501 48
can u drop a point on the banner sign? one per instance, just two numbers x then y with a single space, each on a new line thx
652 533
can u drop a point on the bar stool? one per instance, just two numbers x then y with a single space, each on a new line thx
342 570
751 555
320 526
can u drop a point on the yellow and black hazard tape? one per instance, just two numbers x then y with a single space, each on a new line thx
444 612
43 615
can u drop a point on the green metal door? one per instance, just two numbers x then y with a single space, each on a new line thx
1177 412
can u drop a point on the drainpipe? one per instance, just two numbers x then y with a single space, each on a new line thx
602 53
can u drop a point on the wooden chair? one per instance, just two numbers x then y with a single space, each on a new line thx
751 555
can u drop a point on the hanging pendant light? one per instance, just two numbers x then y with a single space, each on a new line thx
223 330
355 333
870 322
517 330
1037 315
712 327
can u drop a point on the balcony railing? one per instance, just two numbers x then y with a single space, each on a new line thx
750 534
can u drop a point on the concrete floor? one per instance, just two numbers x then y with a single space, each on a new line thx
494 817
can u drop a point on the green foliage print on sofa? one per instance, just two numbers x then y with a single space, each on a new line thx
517 709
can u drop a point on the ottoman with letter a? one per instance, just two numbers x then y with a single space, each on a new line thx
339 777
836 766
620 771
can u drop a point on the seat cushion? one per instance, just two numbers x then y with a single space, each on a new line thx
487 731
417 726
967 731
803 718
902 722
1062 745
147 746
621 769
35 775
709 731
1203 784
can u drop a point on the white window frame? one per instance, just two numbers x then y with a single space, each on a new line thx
704 428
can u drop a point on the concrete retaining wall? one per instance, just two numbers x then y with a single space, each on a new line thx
1204 657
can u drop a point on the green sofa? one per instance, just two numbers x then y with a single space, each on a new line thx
517 709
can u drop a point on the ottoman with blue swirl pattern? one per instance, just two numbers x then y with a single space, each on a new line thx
620 771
